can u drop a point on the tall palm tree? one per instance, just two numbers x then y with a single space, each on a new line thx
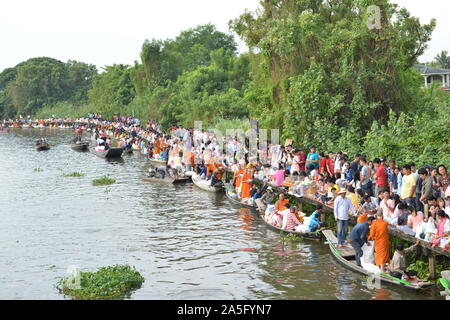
443 59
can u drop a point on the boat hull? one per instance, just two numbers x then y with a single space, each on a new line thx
110 153
204 185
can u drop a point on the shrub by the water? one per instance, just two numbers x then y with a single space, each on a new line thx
113 282
103 181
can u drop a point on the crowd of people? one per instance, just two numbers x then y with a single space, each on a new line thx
379 193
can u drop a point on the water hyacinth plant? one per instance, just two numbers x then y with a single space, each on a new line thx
108 283
74 174
103 181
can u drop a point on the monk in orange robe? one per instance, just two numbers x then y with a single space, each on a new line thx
246 185
280 205
157 147
237 177
379 232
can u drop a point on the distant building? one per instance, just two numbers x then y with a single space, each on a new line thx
435 75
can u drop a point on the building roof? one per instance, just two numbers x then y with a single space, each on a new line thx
426 70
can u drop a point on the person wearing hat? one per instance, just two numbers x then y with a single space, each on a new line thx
342 206
268 197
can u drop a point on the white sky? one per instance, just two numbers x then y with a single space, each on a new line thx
104 32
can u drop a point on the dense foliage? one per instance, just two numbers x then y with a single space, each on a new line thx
39 82
317 70
115 282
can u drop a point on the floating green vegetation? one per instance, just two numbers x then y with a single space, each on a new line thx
113 282
74 174
290 237
38 169
103 181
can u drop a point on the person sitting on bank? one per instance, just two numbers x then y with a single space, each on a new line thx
371 207
268 197
335 194
398 266
358 237
403 226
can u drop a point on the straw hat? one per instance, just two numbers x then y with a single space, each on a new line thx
342 191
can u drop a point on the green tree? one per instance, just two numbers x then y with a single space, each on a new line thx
319 68
443 59
112 89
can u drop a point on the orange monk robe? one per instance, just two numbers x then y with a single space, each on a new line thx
246 185
379 232
210 167
157 147
237 175
281 205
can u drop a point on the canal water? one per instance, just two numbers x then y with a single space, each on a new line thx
187 243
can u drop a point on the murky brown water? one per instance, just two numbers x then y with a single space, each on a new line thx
187 243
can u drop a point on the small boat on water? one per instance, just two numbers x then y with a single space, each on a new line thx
83 146
233 197
42 144
346 257
110 153
307 235
206 184
42 147
128 151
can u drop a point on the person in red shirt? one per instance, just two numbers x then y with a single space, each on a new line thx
380 176
330 164
323 163
302 163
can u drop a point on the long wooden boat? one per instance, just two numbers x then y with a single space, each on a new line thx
170 180
110 153
346 257
205 185
80 146
233 198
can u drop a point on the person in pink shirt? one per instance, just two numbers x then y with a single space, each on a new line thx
279 176
290 221
387 206
414 218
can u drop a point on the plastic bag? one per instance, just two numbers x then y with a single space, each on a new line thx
368 253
